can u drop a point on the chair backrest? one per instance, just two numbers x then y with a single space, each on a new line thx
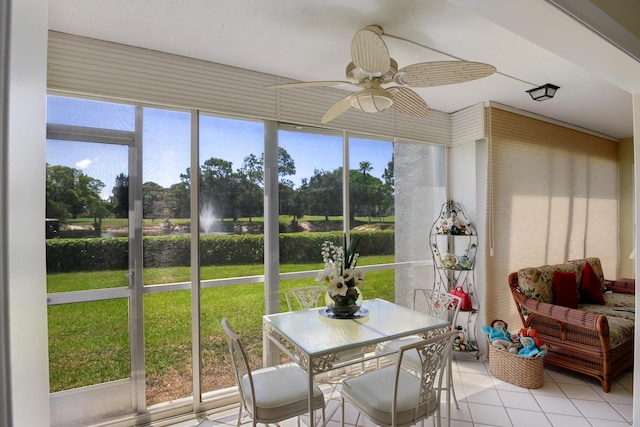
240 367
434 353
442 305
304 298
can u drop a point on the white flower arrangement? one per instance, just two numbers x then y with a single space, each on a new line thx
340 272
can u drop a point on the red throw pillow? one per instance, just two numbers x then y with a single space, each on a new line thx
565 291
590 289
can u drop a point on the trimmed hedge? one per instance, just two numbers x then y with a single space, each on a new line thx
95 254
87 254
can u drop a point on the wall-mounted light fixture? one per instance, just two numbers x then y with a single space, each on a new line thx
543 92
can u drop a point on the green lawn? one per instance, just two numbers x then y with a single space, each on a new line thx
89 342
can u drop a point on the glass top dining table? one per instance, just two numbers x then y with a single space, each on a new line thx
318 341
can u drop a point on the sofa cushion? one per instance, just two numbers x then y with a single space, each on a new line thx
537 282
620 301
620 330
564 289
620 312
590 286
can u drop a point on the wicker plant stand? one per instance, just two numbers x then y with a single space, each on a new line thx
522 371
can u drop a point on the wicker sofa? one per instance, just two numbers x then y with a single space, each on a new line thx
594 339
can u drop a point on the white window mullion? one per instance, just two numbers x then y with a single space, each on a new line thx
195 260
271 239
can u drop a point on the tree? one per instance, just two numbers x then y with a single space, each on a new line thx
220 187
120 197
178 200
154 204
71 193
251 184
366 167
290 200
323 193
286 165
365 194
252 168
250 181
389 188
388 174
288 197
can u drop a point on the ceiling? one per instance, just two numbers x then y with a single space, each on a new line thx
530 43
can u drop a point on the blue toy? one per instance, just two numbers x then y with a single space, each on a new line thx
529 348
499 336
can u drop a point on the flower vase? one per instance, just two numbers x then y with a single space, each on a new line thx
344 306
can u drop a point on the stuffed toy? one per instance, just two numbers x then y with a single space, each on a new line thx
529 348
530 332
500 337
458 342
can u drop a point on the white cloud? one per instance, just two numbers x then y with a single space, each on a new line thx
83 164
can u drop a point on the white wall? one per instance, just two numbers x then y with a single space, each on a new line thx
462 167
468 186
26 205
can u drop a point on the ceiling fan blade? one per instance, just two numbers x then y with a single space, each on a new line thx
338 108
369 52
426 74
308 84
409 103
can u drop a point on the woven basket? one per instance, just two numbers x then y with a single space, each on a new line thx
522 371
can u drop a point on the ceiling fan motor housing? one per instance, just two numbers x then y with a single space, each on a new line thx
355 74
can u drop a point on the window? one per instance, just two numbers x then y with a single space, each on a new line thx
120 249
166 227
231 203
311 194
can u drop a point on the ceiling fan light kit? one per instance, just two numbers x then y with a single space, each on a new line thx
372 100
384 85
544 92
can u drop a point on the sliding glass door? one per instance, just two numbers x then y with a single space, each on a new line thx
93 260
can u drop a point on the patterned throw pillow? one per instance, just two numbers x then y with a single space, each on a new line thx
534 284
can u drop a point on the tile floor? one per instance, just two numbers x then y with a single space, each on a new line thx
565 400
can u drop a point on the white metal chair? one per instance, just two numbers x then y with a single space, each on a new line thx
442 305
313 296
271 395
305 297
396 397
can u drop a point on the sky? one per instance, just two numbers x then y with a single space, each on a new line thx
166 143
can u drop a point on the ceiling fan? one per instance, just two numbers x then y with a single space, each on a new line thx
383 85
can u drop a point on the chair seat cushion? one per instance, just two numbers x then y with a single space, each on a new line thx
372 392
281 392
